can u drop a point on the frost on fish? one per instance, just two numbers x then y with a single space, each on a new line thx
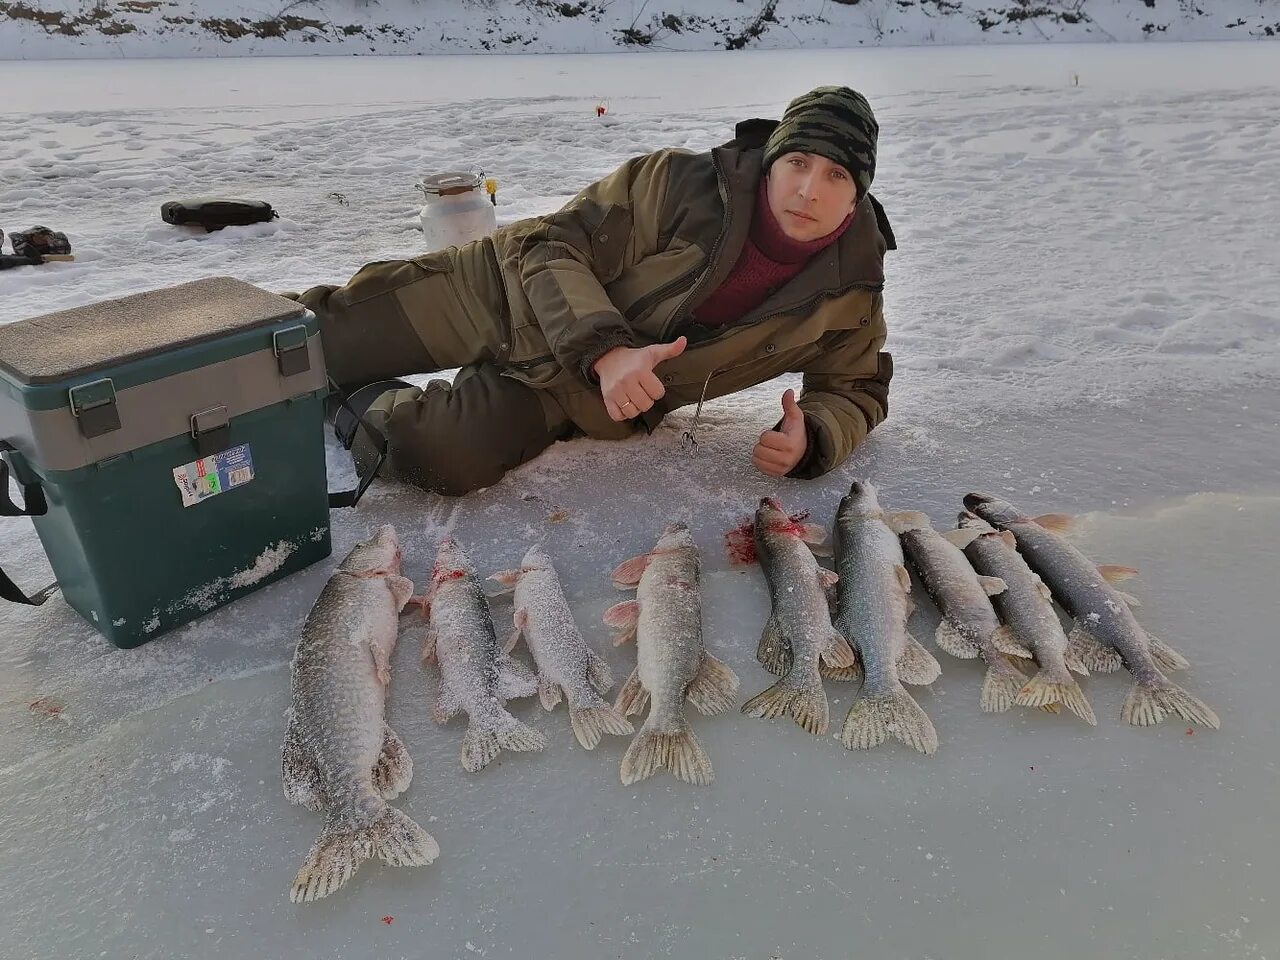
567 668
339 755
1106 635
672 663
477 676
798 639
872 607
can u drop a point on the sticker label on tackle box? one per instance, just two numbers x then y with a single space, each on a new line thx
210 476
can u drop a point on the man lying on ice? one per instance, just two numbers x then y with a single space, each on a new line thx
677 277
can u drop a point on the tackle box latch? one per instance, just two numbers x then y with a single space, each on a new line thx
93 405
290 346
211 430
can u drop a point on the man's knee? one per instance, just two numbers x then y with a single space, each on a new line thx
455 439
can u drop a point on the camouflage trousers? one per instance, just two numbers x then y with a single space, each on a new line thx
401 317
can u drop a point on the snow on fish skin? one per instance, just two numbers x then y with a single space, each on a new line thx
339 755
672 663
1025 606
476 675
799 635
1106 634
872 608
969 625
566 665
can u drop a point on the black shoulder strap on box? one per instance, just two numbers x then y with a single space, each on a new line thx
349 498
35 505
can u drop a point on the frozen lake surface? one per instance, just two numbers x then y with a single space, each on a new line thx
1083 315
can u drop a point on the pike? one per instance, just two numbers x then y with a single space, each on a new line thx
872 606
476 676
567 667
340 757
798 638
672 663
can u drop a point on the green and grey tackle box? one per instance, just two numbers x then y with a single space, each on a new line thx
170 446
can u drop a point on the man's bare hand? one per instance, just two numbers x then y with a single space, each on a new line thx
778 451
627 380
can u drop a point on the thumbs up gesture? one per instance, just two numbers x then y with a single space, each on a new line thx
627 382
778 451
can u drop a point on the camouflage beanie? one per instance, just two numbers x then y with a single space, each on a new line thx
833 122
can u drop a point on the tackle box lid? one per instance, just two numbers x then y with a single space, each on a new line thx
70 343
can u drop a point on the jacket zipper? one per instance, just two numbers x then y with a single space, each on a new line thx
653 296
529 364
727 198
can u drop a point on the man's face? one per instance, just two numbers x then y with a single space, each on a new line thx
810 195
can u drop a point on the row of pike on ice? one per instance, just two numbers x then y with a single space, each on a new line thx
341 758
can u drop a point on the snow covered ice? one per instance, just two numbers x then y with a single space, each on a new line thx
1083 315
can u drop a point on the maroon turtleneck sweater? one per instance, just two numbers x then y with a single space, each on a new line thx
769 259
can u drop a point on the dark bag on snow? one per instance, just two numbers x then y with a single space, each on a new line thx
213 213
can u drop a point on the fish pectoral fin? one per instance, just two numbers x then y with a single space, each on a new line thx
1115 573
623 618
401 590
1008 538
1056 522
628 573
827 578
961 537
381 662
507 579
714 688
824 550
992 585
549 693
1043 588
906 520
393 772
519 621
916 665
904 577
774 650
633 696
813 533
